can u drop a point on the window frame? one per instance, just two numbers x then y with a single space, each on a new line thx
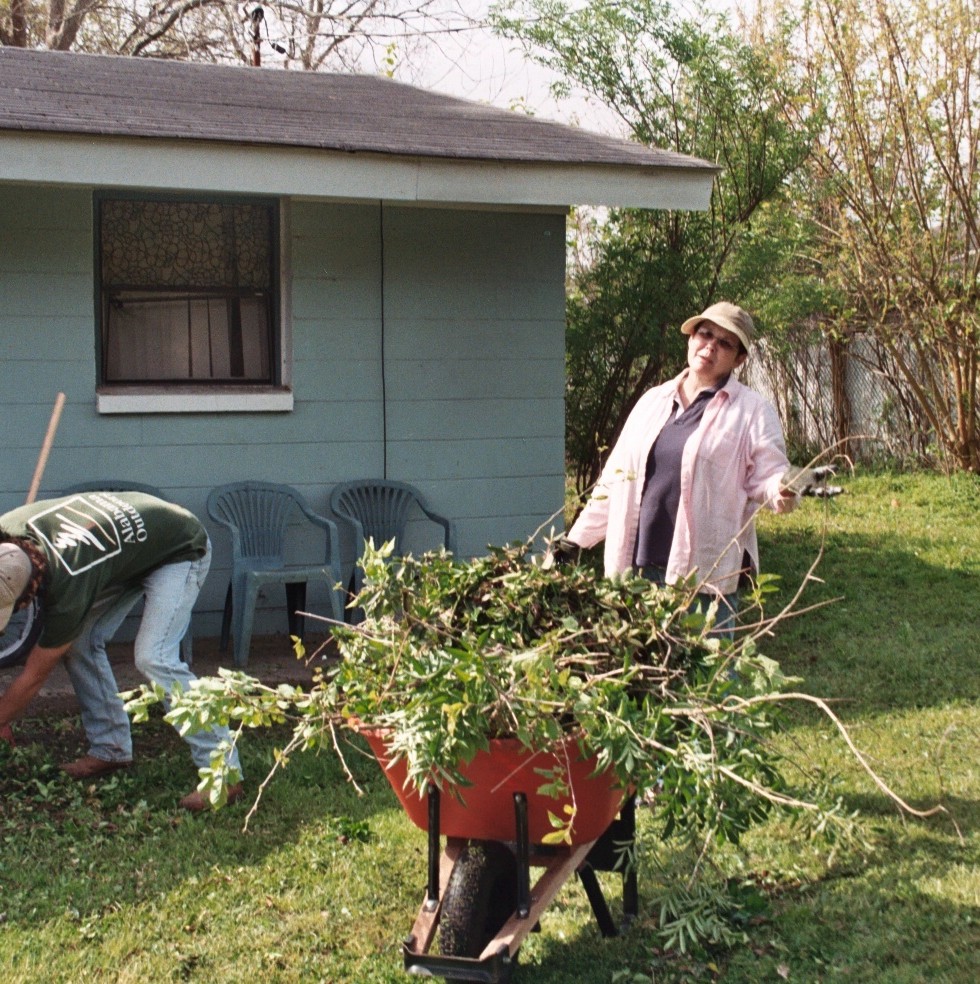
202 395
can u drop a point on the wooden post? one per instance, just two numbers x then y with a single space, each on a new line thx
42 459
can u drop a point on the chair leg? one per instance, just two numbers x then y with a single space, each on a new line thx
226 620
296 602
339 600
353 615
243 621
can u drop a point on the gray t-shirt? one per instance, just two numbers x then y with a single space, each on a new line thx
662 488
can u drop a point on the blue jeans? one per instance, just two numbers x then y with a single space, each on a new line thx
727 604
169 595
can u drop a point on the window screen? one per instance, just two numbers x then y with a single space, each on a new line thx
188 291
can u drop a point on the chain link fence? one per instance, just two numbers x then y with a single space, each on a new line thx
847 396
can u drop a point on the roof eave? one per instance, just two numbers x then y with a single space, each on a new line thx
223 167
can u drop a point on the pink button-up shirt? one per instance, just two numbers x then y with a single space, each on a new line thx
731 466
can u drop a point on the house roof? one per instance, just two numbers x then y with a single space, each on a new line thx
106 97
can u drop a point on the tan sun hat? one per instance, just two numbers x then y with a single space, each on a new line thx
728 316
15 572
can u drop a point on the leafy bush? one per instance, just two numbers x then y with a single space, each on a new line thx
453 653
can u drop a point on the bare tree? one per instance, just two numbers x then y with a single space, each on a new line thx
900 214
368 35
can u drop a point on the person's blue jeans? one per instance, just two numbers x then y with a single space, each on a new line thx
727 604
169 595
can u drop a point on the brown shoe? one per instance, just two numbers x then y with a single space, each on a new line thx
197 802
90 767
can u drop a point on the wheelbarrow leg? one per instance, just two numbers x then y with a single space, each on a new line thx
432 889
611 853
523 856
631 894
597 900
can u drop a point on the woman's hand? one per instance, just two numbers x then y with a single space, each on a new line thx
810 481
561 551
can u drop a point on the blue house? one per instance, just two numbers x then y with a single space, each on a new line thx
304 278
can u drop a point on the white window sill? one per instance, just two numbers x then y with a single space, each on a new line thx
246 399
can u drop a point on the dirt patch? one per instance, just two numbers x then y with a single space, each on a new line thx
62 738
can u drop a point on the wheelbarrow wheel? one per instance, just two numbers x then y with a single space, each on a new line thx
480 897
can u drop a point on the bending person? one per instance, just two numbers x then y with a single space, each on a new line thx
86 559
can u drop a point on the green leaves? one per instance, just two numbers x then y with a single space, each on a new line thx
455 653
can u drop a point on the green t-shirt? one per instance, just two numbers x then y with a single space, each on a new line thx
98 544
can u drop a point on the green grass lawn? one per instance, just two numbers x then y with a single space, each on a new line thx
108 882
898 653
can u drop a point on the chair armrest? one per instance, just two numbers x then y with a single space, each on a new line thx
329 527
449 531
233 532
354 524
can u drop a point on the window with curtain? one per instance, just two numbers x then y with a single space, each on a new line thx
188 291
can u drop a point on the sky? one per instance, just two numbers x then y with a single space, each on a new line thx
475 64
478 65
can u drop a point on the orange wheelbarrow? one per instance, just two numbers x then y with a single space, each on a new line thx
480 899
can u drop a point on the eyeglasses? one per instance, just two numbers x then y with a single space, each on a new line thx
705 335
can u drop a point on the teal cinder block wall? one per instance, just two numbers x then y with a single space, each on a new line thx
426 344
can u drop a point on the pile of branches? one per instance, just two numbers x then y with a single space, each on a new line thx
452 654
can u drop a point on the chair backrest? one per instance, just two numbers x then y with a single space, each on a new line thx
381 507
256 514
113 485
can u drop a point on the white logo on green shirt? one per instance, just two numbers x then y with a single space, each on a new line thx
82 536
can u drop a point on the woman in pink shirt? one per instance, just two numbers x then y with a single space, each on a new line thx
696 459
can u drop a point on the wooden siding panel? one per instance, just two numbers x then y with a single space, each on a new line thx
40 295
481 338
336 241
464 242
309 462
495 530
506 496
474 345
38 251
458 419
68 337
452 300
46 344
40 380
28 421
472 338
469 380
322 298
336 262
442 460
44 208
332 339
352 384
309 422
